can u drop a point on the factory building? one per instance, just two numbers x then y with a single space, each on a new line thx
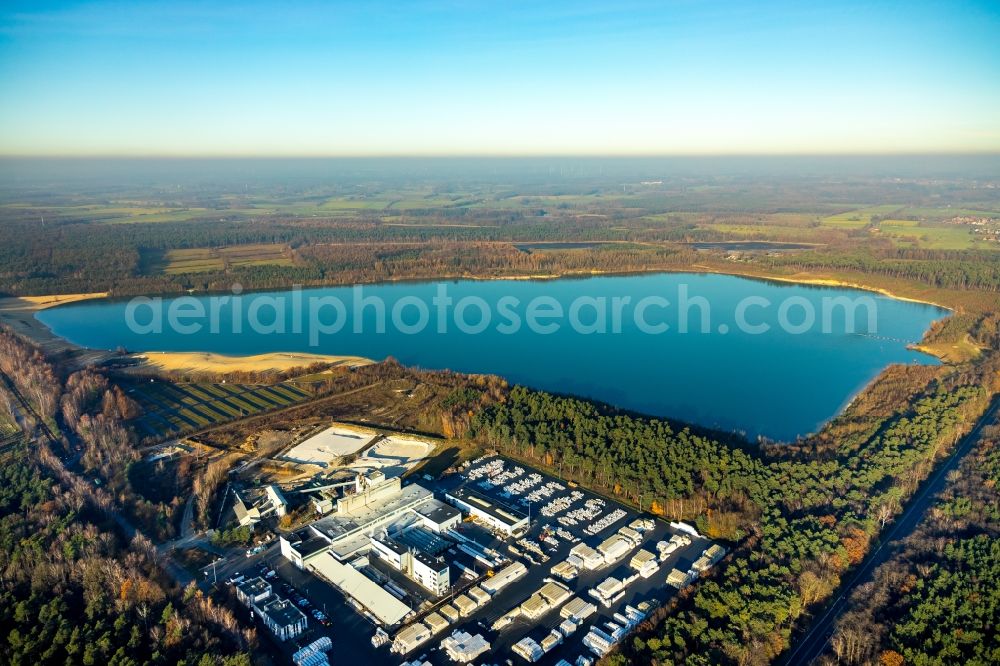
246 515
249 514
501 517
384 608
345 533
301 546
283 618
279 615
277 501
430 572
253 591
438 517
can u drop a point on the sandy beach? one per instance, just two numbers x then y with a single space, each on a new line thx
192 362
18 312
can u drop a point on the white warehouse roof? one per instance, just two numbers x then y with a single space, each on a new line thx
388 609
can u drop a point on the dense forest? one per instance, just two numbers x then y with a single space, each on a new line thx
936 601
73 591
75 587
78 583
799 519
968 269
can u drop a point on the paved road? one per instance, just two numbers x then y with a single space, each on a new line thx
811 645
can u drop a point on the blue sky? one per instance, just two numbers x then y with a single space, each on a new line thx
437 77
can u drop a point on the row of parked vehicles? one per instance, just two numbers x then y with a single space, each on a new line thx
299 600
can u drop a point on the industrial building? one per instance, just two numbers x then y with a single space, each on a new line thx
430 572
253 591
500 517
366 594
299 547
378 504
283 618
249 514
246 515
276 500
279 615
438 517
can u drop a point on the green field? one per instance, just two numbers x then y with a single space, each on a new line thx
173 409
860 217
933 237
202 260
760 231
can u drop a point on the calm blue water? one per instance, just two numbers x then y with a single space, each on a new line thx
779 384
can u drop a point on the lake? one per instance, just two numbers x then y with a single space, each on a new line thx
762 358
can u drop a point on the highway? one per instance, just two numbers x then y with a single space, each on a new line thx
814 642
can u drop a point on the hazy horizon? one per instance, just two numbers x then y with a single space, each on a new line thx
570 79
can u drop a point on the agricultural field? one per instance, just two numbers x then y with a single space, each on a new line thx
855 219
172 409
201 260
761 231
352 203
933 237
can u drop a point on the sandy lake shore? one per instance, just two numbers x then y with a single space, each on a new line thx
203 362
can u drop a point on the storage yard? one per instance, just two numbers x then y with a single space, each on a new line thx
363 449
569 583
